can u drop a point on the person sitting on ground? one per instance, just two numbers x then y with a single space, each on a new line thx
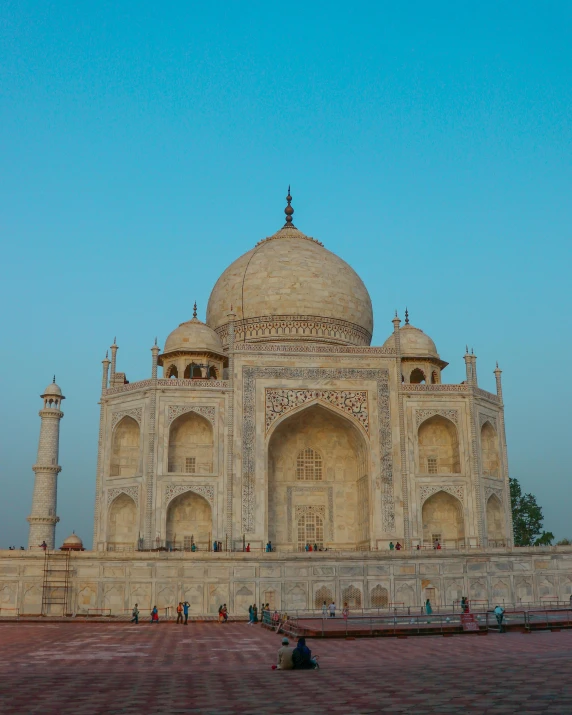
302 657
285 656
398 546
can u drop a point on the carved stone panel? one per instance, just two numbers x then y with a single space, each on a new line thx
352 402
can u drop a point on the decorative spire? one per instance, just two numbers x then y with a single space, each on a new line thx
195 310
289 210
155 341
106 354
54 380
396 312
406 317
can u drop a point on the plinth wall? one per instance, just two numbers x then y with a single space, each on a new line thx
114 582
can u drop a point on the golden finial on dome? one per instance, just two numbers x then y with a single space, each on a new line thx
406 317
289 210
195 310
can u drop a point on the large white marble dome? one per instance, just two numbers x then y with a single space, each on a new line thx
290 288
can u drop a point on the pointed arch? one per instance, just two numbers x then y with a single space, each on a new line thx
417 377
125 448
495 521
490 450
443 520
188 521
438 445
308 431
191 445
122 523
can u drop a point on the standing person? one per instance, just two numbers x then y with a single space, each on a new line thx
345 611
391 545
499 613
248 547
135 614
332 608
155 615
43 545
179 613
324 610
398 546
428 609
254 614
463 604
186 605
220 616
224 613
250 615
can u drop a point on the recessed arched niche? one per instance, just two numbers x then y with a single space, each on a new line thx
438 447
125 448
191 444
318 481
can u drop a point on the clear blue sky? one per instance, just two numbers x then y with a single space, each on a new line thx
145 145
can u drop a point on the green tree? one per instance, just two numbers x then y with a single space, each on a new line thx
527 518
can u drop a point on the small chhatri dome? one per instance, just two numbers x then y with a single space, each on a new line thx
193 336
52 390
413 341
72 543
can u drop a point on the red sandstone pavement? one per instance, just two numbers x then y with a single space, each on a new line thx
212 668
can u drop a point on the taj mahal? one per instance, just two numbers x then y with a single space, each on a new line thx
275 423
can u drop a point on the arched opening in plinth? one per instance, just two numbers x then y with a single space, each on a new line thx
443 521
191 445
189 521
495 522
122 528
125 458
318 482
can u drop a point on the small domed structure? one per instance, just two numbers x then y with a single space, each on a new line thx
193 335
193 351
52 395
72 543
419 357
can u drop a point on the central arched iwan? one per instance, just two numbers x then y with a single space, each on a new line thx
318 462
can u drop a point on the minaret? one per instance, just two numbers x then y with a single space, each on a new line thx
43 518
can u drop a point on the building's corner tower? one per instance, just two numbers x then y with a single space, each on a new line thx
43 518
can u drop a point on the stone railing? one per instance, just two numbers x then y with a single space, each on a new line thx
172 382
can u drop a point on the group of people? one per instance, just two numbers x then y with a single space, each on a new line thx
13 548
298 658
253 612
183 610
396 546
135 614
314 547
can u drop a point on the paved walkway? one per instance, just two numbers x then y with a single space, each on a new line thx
210 668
